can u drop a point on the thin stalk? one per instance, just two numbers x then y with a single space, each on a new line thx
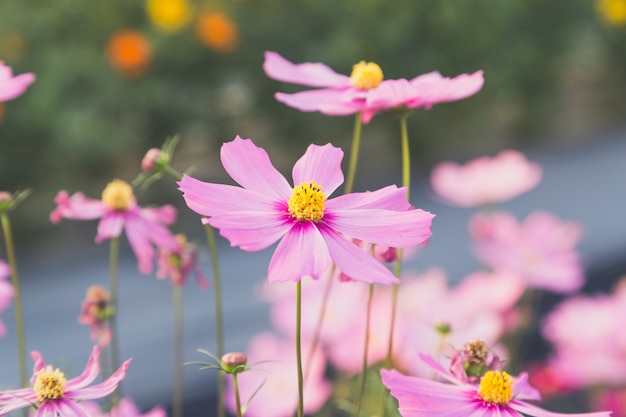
237 400
354 153
362 377
392 321
219 317
174 173
114 251
177 408
406 156
17 300
299 349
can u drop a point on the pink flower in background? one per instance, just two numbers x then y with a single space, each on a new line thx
6 292
53 394
278 396
178 264
498 394
96 312
13 86
540 251
118 211
485 180
312 229
125 408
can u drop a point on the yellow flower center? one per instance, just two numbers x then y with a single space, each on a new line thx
496 387
49 384
307 202
366 75
118 195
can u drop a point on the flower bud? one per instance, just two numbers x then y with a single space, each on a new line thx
234 362
151 159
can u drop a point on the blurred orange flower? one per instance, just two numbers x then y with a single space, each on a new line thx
612 12
168 15
129 52
217 31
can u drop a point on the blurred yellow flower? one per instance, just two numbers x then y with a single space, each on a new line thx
612 12
12 46
168 15
129 52
217 31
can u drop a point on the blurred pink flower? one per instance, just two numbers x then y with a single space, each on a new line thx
53 394
337 95
278 396
179 263
6 292
125 408
540 251
498 394
96 312
13 86
310 227
485 180
117 211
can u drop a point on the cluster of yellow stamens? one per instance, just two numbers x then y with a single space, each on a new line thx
496 387
118 195
49 384
366 75
307 202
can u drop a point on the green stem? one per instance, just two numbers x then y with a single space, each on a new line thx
362 377
237 400
177 409
17 300
299 349
171 171
354 153
219 319
114 251
406 156
392 321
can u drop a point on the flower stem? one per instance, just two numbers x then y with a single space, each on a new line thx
354 154
174 173
406 156
17 300
219 319
237 400
299 348
177 409
114 251
362 377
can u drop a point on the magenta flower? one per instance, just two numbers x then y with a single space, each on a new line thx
364 90
53 394
311 228
119 211
497 395
178 264
12 87
485 180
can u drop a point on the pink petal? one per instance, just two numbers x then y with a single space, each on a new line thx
322 165
391 94
251 167
110 226
388 198
432 90
68 408
100 390
535 411
165 214
90 372
309 74
47 409
141 234
353 261
301 252
398 229
522 389
14 87
252 230
333 100
39 363
76 206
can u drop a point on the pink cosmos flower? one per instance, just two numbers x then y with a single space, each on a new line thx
311 228
498 394
53 394
117 211
95 312
540 251
278 395
485 180
12 87
6 292
364 90
178 264
125 408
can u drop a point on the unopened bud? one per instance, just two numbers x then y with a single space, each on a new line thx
234 362
151 159
5 196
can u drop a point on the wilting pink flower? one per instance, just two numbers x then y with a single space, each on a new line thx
6 292
96 312
498 394
53 394
125 408
117 211
311 228
179 263
485 180
13 86
540 251
278 395
364 90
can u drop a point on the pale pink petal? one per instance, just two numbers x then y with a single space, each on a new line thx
322 165
110 226
431 91
39 362
308 73
346 105
251 167
68 408
532 410
47 409
252 230
301 252
387 198
100 390
398 229
89 374
333 101
13 87
390 94
522 389
136 232
210 199
165 214
353 261
77 207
